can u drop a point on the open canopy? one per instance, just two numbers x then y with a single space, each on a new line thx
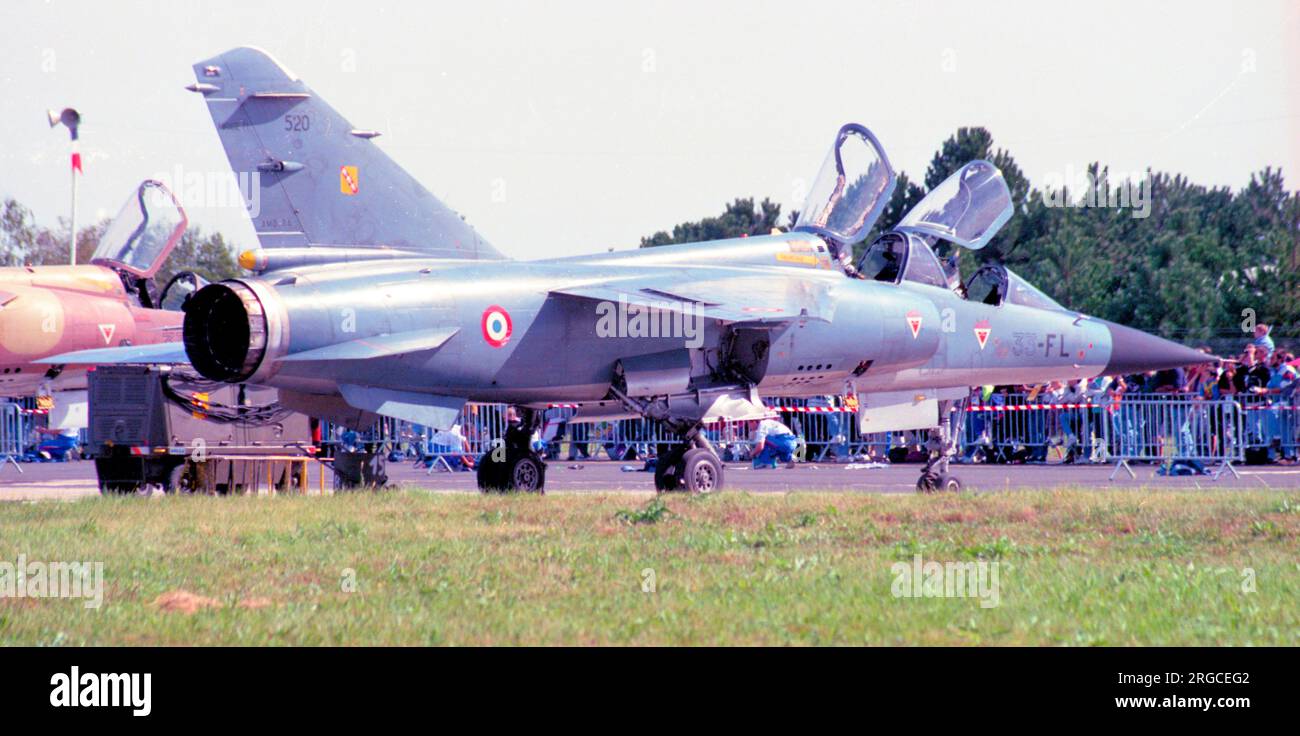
851 190
968 208
995 284
140 238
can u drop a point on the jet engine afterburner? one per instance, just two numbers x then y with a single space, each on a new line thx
225 331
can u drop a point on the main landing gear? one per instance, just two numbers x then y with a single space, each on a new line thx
512 464
691 465
942 446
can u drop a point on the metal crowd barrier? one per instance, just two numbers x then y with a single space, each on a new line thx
1271 423
1156 428
1019 427
13 433
626 439
1175 430
830 429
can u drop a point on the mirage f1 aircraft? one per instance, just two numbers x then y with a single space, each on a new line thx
372 297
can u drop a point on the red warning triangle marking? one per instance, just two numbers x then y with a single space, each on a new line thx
107 332
914 322
982 332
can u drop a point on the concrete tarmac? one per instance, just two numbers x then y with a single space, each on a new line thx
72 480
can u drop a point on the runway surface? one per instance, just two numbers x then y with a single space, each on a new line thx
66 481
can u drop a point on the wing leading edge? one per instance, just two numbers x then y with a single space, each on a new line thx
158 353
758 299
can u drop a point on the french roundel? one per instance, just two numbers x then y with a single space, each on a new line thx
496 326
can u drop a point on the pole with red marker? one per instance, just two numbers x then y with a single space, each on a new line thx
72 119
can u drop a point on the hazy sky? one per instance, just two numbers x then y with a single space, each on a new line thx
564 127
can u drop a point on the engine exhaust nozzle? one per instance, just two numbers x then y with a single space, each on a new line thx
225 331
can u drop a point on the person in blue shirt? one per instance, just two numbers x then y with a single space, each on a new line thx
1263 342
1281 387
772 442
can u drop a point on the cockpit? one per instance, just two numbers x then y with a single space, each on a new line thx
967 209
895 257
138 241
995 285
143 234
988 285
884 259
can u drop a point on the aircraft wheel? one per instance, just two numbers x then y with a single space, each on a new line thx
702 471
668 478
179 481
669 471
528 474
118 489
928 483
949 483
491 474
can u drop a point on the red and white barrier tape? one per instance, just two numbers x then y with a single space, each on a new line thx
974 407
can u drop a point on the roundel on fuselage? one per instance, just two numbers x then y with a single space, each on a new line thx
496 326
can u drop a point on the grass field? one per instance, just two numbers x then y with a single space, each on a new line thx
410 567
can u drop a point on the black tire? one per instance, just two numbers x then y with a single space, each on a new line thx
702 471
928 483
116 489
178 481
667 477
669 471
491 474
949 483
527 474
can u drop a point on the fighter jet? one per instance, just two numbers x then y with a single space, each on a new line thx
372 297
110 302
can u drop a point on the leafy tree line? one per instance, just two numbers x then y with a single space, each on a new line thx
23 242
1201 265
741 217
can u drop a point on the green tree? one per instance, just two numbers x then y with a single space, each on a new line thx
740 218
18 232
24 242
209 256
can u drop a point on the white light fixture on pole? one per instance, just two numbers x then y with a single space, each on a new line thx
72 119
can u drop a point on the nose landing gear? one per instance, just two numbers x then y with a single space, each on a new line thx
931 482
942 446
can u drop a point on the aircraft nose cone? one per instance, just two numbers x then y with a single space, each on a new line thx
1134 351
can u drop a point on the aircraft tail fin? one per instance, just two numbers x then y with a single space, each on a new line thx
315 180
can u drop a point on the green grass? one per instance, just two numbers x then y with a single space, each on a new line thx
1076 567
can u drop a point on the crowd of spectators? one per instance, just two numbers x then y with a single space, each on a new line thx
1261 377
